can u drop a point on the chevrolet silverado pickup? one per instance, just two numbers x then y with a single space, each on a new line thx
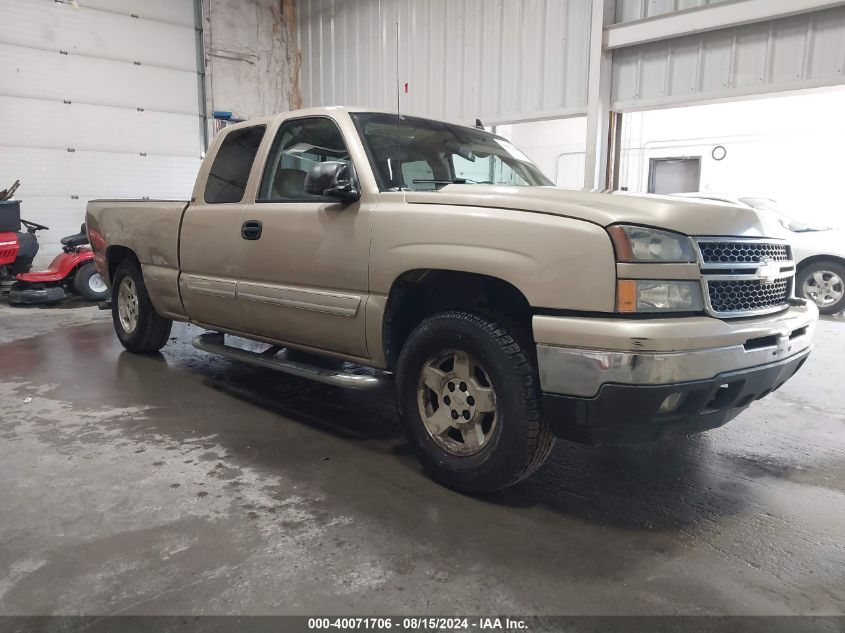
437 258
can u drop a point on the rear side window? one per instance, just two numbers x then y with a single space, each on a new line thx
231 167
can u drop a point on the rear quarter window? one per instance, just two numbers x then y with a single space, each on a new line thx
230 170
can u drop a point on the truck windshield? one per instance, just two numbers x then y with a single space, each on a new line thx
414 154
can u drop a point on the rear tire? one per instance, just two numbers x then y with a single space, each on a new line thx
89 284
470 402
140 329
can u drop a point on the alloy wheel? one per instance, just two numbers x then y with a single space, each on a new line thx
824 287
127 305
457 403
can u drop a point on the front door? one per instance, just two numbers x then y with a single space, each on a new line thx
210 237
305 279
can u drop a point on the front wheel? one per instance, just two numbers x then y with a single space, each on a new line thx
823 282
469 397
89 283
140 329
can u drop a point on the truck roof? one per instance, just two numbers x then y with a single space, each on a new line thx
324 110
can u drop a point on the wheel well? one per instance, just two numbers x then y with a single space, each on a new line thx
115 255
418 294
819 258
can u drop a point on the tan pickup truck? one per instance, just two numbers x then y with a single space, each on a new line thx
505 310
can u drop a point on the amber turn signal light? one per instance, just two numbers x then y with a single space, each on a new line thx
626 295
621 244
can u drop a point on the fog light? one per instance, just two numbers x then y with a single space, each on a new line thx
671 403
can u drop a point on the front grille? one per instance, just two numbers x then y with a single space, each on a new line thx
745 276
724 252
747 296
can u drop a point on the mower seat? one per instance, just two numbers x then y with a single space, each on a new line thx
76 240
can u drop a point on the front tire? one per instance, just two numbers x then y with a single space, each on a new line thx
470 402
140 329
89 284
823 282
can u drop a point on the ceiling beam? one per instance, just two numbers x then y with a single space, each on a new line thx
707 18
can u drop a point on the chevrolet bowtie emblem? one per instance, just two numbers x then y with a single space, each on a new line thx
769 270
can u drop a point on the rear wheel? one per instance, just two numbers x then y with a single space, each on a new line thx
823 282
138 326
89 283
470 406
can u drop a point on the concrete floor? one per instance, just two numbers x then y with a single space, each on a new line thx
188 484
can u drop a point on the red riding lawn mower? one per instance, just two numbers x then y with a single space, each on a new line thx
72 270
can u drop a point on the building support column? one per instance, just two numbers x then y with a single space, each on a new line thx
598 98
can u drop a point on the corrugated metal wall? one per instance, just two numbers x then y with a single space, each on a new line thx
630 10
803 51
500 60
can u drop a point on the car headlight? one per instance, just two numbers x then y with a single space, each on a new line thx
644 295
639 245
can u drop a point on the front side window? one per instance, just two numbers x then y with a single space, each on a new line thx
299 145
414 154
230 170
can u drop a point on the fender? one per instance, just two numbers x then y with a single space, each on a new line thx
61 266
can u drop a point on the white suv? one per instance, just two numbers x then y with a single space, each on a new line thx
819 251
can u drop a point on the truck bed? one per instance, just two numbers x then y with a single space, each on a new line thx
149 228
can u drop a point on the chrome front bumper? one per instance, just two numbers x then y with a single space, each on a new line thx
582 372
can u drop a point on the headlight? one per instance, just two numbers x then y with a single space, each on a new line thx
636 244
640 295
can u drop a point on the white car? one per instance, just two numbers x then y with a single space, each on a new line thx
819 251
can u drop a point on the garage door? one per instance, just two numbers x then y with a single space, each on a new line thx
98 99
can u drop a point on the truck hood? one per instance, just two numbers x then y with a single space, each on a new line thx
691 217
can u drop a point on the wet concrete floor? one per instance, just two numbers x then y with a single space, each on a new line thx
188 484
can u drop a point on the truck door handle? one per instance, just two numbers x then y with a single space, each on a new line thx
251 229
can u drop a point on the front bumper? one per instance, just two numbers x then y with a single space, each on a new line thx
622 414
617 391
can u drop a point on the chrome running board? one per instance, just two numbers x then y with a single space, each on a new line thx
214 343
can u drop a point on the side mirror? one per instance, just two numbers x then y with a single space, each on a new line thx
332 180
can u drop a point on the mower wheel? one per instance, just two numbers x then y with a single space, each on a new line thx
89 284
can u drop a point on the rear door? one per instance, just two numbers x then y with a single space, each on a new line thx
305 280
210 238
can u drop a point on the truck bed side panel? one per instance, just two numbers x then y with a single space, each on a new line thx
150 229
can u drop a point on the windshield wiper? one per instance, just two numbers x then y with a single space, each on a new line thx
456 181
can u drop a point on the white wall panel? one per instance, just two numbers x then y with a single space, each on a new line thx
56 173
173 12
41 74
118 109
57 184
51 124
59 27
791 53
630 10
499 60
